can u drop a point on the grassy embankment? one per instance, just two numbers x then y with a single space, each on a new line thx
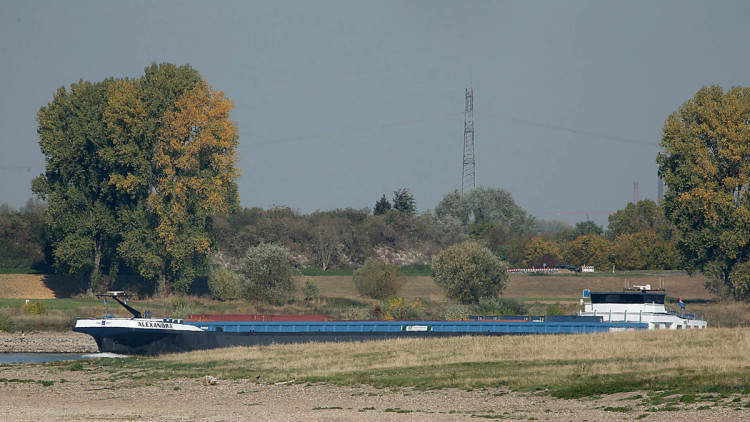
686 365
338 297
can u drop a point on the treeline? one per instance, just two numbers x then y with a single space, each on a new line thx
638 236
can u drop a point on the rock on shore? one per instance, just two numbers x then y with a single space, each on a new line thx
47 342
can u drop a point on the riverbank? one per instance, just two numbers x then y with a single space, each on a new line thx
48 391
47 342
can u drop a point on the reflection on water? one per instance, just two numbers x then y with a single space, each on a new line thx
6 358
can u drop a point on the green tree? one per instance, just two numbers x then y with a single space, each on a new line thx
589 249
581 229
21 244
81 219
404 201
705 164
487 205
468 272
643 216
267 274
224 283
377 279
382 206
644 250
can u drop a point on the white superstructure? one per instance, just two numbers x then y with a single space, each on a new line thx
639 304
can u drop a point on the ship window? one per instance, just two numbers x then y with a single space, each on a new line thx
219 329
628 298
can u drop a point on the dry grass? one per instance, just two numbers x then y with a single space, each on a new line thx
707 359
24 286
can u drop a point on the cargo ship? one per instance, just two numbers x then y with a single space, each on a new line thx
143 335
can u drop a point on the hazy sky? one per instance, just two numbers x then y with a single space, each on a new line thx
339 102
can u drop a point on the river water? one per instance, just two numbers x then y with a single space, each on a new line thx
6 358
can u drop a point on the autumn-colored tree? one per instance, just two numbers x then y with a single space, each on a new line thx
705 164
540 252
589 249
195 163
135 169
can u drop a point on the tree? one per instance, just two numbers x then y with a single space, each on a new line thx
326 241
705 164
644 250
589 249
404 201
267 274
135 170
540 252
581 229
81 218
21 244
195 165
487 205
224 283
377 279
382 206
645 215
468 272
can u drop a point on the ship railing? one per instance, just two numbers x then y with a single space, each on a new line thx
633 316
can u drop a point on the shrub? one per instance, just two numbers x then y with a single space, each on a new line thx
6 323
455 312
468 272
267 274
377 279
36 308
182 307
397 308
224 283
499 306
311 291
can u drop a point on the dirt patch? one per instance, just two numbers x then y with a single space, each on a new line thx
24 286
551 286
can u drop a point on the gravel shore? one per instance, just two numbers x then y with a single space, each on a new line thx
61 392
47 342
103 395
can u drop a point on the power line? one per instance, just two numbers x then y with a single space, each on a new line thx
352 131
575 131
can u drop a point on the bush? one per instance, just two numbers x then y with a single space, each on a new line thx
36 308
397 308
468 272
182 307
224 283
267 274
377 279
455 313
499 306
6 323
311 291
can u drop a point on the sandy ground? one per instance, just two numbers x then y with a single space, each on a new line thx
104 395
47 342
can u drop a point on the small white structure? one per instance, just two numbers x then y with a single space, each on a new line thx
587 269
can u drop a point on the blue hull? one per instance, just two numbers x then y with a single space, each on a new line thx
229 334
